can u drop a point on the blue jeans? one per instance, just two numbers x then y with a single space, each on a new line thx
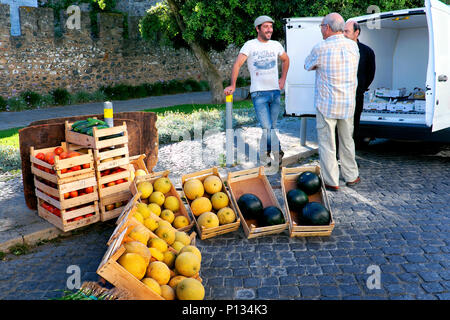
267 108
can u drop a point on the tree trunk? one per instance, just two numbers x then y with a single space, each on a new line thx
213 76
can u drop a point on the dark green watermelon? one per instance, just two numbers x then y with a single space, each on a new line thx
315 214
296 199
250 205
309 182
272 216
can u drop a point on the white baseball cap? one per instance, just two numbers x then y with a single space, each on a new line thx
262 19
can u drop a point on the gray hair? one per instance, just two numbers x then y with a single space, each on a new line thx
335 21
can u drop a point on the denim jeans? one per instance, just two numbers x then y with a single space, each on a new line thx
267 108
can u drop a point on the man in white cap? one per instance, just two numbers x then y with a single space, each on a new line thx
262 55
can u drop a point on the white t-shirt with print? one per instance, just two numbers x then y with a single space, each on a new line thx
262 62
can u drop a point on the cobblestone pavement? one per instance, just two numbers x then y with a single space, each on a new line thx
397 219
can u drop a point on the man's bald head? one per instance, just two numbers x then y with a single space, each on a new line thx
332 24
352 30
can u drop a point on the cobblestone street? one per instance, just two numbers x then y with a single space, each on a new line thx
397 219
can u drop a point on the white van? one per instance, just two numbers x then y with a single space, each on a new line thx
409 97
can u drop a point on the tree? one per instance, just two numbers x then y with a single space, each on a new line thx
205 25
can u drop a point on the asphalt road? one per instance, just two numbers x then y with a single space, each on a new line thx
391 241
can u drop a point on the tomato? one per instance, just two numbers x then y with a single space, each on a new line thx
110 184
63 170
67 195
120 181
89 189
81 193
50 158
58 150
73 194
86 166
78 218
63 155
40 156
88 215
73 154
75 168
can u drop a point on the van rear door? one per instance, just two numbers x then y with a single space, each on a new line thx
302 34
438 16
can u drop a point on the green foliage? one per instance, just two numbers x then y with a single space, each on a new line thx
31 98
217 24
16 104
3 104
61 96
9 158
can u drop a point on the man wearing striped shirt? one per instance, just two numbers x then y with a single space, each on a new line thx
335 61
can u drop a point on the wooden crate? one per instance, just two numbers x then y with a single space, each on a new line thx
111 206
56 173
152 177
103 181
205 233
138 163
255 181
67 220
288 182
110 270
99 138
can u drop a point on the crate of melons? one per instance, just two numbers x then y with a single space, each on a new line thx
210 204
147 265
61 164
306 202
256 203
159 196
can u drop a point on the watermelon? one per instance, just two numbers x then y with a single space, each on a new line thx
309 182
315 214
296 199
272 216
250 206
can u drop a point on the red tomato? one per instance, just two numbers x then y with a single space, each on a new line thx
76 168
86 166
89 189
63 155
78 218
110 184
88 215
73 154
58 150
40 156
63 171
120 181
73 194
50 158
67 195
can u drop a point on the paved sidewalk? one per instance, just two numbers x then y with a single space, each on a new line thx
19 224
24 118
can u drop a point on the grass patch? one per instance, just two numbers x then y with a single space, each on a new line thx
20 249
10 137
190 108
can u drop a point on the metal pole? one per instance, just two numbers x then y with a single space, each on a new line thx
303 126
229 130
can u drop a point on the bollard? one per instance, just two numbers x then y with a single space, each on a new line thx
229 130
108 113
303 126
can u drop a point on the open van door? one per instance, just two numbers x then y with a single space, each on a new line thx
438 15
302 34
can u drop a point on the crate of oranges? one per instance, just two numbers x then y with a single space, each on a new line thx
159 196
210 203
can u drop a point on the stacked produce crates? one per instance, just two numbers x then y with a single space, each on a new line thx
66 186
111 162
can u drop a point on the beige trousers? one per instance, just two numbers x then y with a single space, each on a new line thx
326 129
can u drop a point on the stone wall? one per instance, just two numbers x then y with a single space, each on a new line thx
134 7
39 61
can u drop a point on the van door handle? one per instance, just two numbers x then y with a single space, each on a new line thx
442 78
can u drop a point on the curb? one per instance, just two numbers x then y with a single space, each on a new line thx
32 238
